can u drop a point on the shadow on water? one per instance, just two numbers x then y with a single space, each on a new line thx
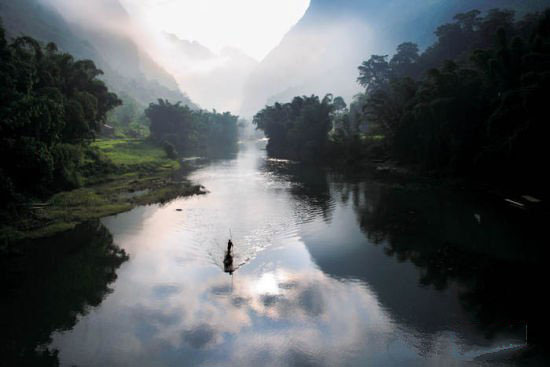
47 289
310 185
496 255
490 257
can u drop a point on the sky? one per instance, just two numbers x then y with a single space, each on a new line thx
252 26
237 74
238 36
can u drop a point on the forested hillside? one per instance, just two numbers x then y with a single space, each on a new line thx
320 53
52 108
184 131
128 70
471 105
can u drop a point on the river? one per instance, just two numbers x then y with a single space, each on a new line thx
330 270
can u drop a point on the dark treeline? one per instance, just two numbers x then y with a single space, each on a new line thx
52 107
182 130
472 104
481 111
299 129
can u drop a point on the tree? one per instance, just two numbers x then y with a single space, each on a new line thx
403 63
374 72
299 129
192 131
51 106
476 105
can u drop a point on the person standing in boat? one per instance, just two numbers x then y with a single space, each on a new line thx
228 259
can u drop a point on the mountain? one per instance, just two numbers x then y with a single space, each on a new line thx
191 50
321 52
129 70
213 79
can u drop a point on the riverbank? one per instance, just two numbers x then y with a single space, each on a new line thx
525 197
122 175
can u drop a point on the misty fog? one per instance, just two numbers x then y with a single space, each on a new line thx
213 78
317 53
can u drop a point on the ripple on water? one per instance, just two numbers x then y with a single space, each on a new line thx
301 302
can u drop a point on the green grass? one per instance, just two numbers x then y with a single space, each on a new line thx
143 175
132 152
369 137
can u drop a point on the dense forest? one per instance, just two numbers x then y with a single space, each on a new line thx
55 106
52 107
299 129
181 129
471 104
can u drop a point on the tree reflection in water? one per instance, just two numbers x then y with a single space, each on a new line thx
495 255
310 186
47 289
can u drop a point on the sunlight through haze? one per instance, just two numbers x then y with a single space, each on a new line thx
253 26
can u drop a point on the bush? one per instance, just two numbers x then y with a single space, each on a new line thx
170 150
67 158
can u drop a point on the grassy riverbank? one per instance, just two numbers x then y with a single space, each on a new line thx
120 175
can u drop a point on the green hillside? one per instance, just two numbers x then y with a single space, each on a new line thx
127 70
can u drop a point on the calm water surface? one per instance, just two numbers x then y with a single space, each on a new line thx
330 272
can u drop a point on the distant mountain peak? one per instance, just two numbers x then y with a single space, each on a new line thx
192 49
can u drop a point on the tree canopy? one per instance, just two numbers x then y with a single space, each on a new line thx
299 129
471 104
478 105
52 105
192 131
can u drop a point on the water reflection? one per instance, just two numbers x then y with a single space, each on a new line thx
327 271
276 318
461 245
495 255
308 185
60 280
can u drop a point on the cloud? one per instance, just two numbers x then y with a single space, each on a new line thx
199 336
301 324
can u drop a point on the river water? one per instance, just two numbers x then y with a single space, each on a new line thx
330 270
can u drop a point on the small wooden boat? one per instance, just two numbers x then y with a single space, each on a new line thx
228 262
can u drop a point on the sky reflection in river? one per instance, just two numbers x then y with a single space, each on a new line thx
312 289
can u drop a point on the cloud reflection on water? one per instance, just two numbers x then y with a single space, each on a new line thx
173 304
292 316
